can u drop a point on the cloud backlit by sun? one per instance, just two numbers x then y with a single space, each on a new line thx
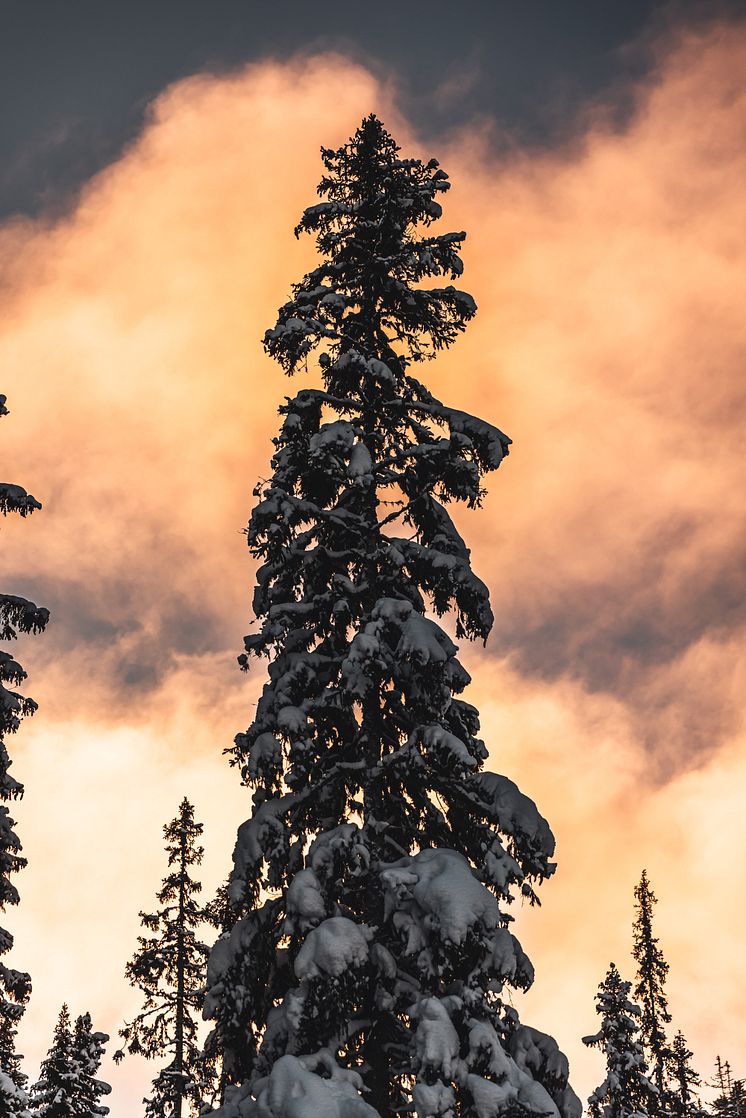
609 344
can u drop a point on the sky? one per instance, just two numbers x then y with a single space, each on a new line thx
153 169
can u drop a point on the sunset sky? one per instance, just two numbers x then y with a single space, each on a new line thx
156 165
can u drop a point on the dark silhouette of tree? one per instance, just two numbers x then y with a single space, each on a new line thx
17 615
683 1081
372 949
169 968
649 990
626 1091
730 1101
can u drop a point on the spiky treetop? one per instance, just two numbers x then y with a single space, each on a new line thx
373 946
684 1081
169 969
626 1092
17 615
652 971
87 1052
53 1094
730 1101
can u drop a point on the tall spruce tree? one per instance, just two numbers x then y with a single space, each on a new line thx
169 968
652 970
17 615
371 965
626 1092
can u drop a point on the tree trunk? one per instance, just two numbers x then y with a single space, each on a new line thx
179 1055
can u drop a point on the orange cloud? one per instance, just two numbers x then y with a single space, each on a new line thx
609 344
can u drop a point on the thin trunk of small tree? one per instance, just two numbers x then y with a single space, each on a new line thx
169 969
180 981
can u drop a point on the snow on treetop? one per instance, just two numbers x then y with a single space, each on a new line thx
14 498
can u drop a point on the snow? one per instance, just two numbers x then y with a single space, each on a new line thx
361 463
294 1089
12 1097
344 840
337 436
14 498
446 745
433 1099
423 641
490 1099
436 1040
332 947
265 750
305 901
513 812
536 1053
444 887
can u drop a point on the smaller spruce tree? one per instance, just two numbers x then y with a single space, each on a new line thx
67 1086
683 1081
87 1052
649 990
626 1091
730 1101
52 1096
169 968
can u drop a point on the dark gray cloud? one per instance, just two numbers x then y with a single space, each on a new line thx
79 75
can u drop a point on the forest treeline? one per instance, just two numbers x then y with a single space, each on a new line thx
360 961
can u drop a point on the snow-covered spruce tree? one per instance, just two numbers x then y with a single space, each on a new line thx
17 615
87 1050
649 990
13 1098
626 1092
169 968
67 1086
684 1081
371 965
53 1094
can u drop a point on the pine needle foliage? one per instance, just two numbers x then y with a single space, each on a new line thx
626 1092
683 1081
649 990
53 1093
730 1101
17 615
169 969
370 965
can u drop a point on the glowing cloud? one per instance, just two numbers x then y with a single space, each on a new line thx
609 344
